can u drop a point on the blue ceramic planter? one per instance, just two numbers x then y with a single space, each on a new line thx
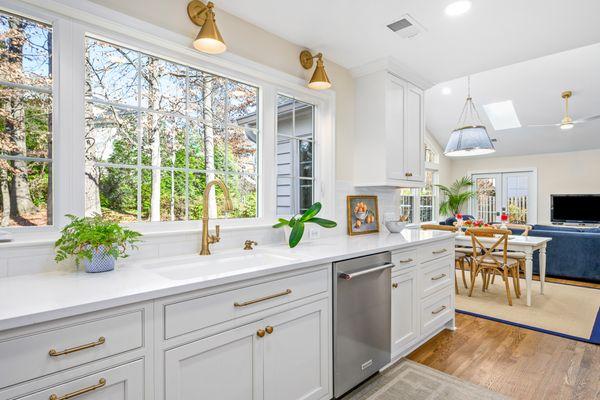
100 262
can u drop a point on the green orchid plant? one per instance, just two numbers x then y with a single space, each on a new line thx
297 222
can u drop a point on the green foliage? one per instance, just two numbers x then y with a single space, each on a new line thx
456 195
84 235
298 221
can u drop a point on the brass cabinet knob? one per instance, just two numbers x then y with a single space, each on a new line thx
260 333
395 285
269 329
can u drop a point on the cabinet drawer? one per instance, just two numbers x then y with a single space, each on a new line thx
435 275
435 251
125 382
403 260
45 352
190 315
436 311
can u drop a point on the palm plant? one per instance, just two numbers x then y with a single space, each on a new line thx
456 195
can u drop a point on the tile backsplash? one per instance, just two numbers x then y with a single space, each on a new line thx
39 256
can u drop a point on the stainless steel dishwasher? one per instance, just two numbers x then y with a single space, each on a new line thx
361 319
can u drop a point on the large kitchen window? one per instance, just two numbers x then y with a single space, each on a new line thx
143 123
158 131
295 142
25 121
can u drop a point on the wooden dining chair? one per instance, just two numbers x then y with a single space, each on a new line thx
518 255
460 254
490 259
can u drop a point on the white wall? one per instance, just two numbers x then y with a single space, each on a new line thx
572 172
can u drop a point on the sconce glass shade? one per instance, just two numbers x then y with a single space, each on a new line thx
209 40
319 80
469 141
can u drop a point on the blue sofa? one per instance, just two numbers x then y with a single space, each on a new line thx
572 253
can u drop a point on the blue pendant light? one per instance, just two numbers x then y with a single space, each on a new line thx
470 138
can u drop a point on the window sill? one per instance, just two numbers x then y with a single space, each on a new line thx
47 237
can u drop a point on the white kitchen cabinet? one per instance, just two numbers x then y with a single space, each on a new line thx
390 130
281 357
414 154
296 359
125 382
405 310
227 366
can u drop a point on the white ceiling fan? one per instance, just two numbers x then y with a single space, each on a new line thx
567 122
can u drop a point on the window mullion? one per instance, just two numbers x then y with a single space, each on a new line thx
68 120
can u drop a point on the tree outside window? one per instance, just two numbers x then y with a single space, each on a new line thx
158 131
25 122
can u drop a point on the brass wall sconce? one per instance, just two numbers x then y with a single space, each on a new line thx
209 40
319 80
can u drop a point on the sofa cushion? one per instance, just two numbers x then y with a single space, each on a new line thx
556 228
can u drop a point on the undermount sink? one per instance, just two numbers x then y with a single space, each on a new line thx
195 266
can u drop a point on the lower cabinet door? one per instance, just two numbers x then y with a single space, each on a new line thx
296 353
226 366
125 382
405 310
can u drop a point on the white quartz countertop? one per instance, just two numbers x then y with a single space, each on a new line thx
30 299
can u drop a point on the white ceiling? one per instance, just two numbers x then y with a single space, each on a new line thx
493 33
495 36
535 88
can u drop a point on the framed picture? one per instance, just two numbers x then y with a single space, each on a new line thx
363 215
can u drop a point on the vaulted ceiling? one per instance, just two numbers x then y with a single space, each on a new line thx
535 88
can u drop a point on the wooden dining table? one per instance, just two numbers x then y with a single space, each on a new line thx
524 244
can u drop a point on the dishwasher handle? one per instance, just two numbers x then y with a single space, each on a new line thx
347 277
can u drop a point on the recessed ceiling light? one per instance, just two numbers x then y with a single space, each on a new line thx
502 115
458 8
446 90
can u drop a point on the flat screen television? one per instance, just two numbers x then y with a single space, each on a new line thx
575 208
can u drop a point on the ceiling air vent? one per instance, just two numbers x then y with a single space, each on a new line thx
407 27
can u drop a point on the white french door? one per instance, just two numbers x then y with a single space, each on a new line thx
515 192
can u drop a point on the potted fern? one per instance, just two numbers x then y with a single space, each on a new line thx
95 241
297 222
456 195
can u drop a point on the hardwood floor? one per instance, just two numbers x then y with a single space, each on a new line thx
516 362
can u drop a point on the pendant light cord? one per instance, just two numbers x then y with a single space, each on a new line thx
469 112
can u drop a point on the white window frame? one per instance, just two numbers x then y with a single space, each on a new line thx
532 213
70 21
295 178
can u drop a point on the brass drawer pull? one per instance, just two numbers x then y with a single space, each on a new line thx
440 251
54 353
249 302
260 333
406 261
439 310
101 383
395 285
408 174
269 329
440 276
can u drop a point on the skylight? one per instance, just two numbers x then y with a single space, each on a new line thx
502 115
